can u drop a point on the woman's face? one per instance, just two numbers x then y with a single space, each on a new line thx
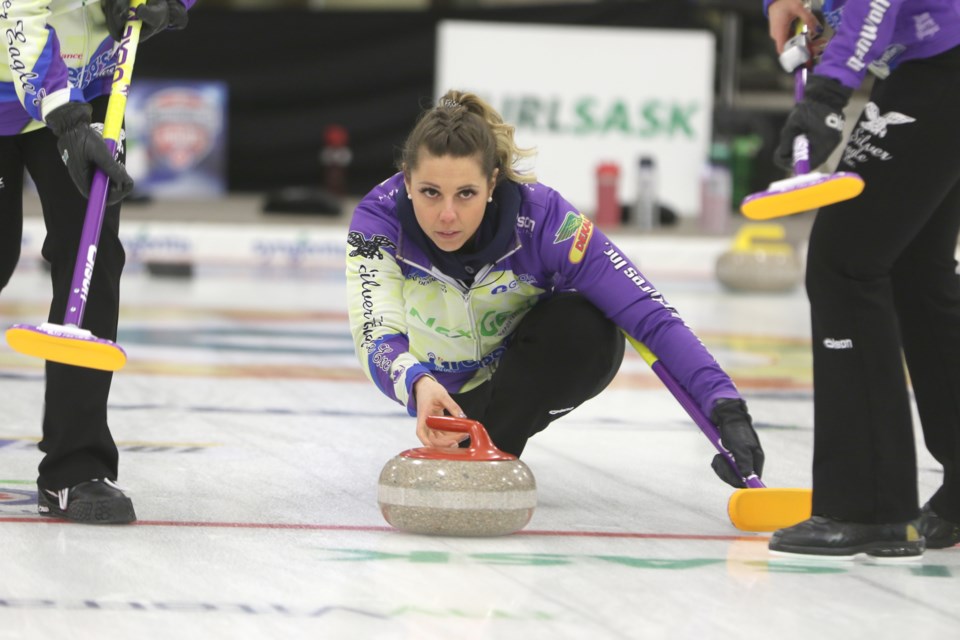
449 197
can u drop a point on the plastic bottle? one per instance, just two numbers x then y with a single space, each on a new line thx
716 191
744 153
607 213
645 214
335 157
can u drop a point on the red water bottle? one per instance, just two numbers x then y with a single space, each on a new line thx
607 213
335 157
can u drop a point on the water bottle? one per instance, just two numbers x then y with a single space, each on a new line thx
716 191
607 213
645 214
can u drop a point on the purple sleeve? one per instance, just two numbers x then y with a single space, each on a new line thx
375 301
47 76
380 360
866 28
590 263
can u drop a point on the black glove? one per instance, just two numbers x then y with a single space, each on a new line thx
819 116
81 147
156 15
738 437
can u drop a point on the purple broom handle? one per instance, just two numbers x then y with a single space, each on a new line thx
801 157
708 428
799 82
89 239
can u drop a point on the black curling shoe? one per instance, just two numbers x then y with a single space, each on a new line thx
98 501
939 533
829 537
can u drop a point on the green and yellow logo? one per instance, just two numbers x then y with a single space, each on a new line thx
577 225
571 224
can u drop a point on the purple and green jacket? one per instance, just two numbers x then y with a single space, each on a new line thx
409 318
54 51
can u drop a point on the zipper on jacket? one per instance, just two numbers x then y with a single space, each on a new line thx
466 293
471 316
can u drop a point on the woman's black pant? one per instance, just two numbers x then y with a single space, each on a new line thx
882 283
564 352
76 440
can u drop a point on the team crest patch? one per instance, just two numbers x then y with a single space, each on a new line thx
368 248
578 227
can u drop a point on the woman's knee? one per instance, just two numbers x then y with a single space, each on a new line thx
572 328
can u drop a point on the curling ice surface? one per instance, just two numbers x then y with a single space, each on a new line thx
251 446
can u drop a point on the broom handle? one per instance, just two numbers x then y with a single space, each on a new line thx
692 408
801 145
125 54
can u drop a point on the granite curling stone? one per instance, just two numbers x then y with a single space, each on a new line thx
478 491
768 267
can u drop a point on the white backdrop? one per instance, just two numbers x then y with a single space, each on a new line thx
586 95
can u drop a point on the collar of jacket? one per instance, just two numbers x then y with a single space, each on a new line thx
494 238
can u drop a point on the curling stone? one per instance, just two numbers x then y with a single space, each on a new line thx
477 491
760 261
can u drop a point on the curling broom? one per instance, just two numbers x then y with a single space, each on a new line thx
67 343
756 508
806 190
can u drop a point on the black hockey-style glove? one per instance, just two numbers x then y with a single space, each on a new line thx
738 437
81 147
819 116
157 15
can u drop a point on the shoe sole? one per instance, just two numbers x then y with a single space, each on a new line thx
900 550
109 511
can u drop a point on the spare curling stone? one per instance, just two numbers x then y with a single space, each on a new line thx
478 491
769 266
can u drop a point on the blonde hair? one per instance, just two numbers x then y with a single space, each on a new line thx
463 125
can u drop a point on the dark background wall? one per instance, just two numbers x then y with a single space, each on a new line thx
292 73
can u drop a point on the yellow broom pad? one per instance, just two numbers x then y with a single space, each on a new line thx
769 509
775 204
77 350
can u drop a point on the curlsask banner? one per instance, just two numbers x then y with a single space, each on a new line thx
583 96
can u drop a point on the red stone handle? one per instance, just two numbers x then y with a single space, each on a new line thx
481 447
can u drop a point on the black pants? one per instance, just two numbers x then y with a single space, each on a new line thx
882 283
564 352
76 439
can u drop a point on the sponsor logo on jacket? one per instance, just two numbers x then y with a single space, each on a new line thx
630 272
438 364
580 229
514 285
526 223
869 31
